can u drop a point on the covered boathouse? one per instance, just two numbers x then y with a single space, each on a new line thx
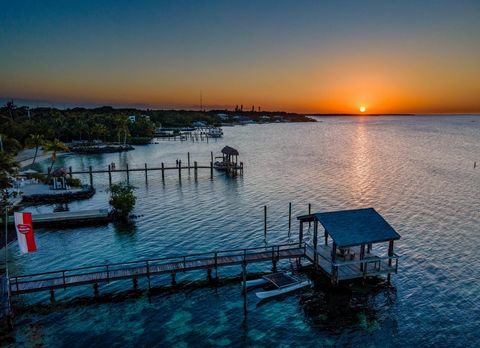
347 249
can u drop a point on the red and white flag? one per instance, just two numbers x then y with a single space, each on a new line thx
26 240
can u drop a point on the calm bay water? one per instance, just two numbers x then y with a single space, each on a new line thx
416 171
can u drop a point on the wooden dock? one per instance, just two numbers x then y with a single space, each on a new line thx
162 168
147 268
95 216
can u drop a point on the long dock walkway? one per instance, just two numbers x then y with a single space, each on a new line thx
168 265
69 217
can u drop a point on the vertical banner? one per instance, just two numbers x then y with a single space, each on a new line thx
24 227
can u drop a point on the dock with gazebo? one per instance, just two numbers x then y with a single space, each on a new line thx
347 252
229 162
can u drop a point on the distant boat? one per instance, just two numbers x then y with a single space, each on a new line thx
214 132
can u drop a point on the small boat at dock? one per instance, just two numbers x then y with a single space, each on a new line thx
281 283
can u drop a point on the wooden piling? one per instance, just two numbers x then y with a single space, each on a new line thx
163 172
211 170
174 280
146 175
91 175
188 162
309 212
244 271
195 171
180 170
135 283
52 296
265 222
148 276
289 218
109 175
95 289
274 260
128 175
70 172
300 235
209 274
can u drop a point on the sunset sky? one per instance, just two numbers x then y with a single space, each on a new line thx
305 56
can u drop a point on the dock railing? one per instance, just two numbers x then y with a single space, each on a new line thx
146 268
369 266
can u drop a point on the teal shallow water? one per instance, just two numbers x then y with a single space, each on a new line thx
416 171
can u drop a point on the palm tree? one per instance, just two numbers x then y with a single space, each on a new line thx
54 146
35 141
99 130
8 167
122 127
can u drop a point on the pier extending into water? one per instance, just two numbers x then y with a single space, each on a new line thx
232 170
211 261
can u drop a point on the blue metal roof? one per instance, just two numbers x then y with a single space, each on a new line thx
355 227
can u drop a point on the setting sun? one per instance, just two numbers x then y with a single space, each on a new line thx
363 108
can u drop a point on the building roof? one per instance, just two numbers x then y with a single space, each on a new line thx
355 227
227 150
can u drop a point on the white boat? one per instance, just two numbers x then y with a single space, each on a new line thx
283 290
257 282
214 132
281 282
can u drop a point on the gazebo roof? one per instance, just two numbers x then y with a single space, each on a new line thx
227 150
355 227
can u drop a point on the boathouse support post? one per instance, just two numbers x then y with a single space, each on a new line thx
390 254
95 289
188 162
128 175
109 175
52 296
91 175
300 234
163 172
195 170
241 168
334 268
362 256
135 283
70 171
174 280
146 175
325 235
